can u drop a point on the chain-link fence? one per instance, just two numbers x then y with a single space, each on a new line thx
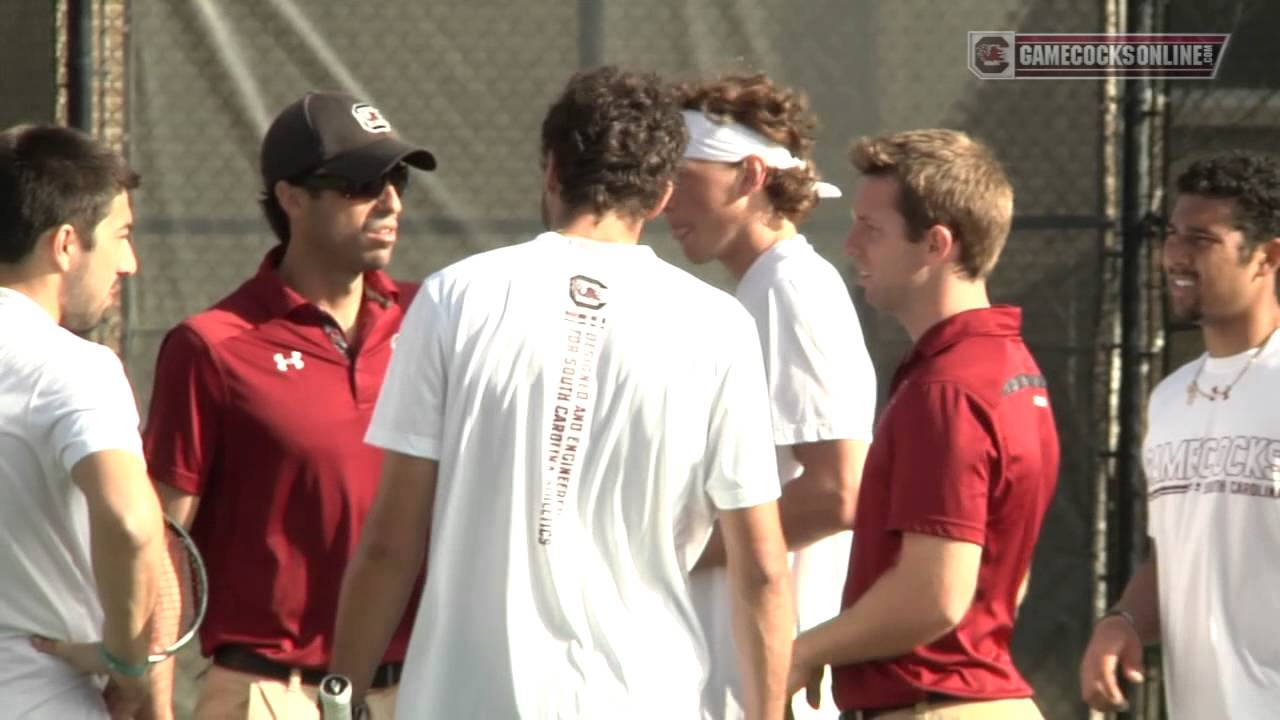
65 61
471 82
102 105
28 82
1240 109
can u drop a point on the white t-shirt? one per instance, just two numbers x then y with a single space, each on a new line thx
822 386
1213 495
61 398
590 407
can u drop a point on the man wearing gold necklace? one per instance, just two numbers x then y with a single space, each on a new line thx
1212 460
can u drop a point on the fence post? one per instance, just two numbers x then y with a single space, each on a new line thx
79 64
1139 179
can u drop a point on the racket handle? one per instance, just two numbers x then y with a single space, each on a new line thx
335 698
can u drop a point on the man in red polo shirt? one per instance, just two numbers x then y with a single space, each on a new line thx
261 404
965 456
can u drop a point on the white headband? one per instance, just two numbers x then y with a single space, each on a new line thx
731 142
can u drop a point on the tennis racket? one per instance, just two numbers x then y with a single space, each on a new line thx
183 594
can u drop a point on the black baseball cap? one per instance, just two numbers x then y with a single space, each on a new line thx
335 134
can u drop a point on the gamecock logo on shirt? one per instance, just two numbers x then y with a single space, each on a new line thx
587 292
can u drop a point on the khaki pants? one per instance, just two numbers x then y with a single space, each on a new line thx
230 695
1016 709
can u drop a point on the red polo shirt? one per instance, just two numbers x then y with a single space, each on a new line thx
966 449
259 411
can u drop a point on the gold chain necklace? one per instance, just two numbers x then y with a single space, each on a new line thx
1216 393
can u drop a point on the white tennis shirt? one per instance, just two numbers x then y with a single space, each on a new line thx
1213 500
822 386
62 398
590 407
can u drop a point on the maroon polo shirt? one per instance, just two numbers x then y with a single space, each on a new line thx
260 410
966 449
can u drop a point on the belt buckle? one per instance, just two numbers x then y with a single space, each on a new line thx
386 675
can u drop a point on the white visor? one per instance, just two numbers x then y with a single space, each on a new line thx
731 142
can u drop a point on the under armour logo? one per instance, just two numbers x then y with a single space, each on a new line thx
294 359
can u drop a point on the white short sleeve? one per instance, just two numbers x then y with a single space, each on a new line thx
409 415
86 406
822 384
741 461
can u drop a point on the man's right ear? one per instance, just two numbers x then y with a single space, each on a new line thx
61 245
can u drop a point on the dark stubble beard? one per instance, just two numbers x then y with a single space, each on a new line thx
80 311
1191 314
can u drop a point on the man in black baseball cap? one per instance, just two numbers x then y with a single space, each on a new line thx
332 141
260 406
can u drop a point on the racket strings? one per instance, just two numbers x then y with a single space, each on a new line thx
180 592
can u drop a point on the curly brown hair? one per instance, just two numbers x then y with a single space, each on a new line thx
946 178
778 113
616 138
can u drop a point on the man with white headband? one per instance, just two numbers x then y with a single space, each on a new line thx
744 186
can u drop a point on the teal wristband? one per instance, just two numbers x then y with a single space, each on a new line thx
120 667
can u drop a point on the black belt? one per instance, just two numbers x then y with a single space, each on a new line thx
868 714
930 699
242 659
